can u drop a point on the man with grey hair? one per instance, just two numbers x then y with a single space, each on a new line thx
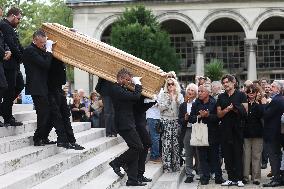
272 132
216 89
204 108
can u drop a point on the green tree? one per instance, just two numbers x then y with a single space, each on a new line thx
137 32
214 70
35 13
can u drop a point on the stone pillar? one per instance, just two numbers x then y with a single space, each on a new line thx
251 45
199 56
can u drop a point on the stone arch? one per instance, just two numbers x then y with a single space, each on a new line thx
223 14
265 15
104 24
181 17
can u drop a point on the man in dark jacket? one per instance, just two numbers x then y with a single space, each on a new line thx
140 109
272 132
204 108
12 66
3 83
37 58
123 101
103 87
60 112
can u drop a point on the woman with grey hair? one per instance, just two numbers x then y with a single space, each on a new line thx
186 129
168 103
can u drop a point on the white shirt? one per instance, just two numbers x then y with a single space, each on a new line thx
189 105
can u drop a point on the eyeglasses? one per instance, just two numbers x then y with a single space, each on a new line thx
18 18
251 92
169 84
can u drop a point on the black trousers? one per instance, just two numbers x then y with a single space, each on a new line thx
2 90
15 86
108 115
233 156
130 157
60 118
209 160
275 156
147 143
42 108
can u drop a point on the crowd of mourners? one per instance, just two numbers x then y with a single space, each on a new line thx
245 129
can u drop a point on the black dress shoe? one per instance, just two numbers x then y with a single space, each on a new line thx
13 122
264 166
256 182
116 169
66 145
135 183
38 143
47 141
219 180
272 184
144 179
188 180
77 146
204 181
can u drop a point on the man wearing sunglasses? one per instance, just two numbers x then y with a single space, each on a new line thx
12 71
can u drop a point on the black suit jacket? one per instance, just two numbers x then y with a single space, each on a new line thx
37 63
181 114
56 76
272 119
3 82
12 40
123 103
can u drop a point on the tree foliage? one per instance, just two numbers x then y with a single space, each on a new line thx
138 33
214 70
35 13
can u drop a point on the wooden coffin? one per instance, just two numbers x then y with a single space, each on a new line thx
101 59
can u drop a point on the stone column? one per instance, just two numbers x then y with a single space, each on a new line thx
251 46
199 56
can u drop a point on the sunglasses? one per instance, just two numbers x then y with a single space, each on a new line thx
169 84
251 92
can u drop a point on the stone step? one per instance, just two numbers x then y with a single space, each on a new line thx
24 115
42 170
10 143
22 107
22 157
170 180
11 130
109 180
81 174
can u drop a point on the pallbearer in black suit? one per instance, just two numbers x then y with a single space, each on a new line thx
37 58
123 102
140 109
12 71
3 83
59 110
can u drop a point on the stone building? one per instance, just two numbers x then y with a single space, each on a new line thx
247 35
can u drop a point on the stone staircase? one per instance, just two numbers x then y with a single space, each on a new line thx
23 165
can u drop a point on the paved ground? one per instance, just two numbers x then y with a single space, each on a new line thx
212 185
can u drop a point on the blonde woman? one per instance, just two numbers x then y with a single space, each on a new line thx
169 102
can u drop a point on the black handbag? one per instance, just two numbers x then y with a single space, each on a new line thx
159 127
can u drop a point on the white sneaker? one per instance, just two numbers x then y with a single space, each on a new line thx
227 183
240 184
